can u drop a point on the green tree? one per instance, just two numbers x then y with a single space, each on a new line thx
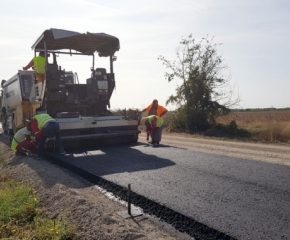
204 93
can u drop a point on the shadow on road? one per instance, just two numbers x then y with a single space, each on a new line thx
99 162
160 146
114 159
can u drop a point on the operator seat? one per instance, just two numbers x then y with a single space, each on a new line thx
52 67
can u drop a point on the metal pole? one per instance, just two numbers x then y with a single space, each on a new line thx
46 56
93 63
111 65
129 199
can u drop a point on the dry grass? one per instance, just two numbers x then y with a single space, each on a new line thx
265 126
268 126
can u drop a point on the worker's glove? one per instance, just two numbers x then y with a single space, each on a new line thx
37 135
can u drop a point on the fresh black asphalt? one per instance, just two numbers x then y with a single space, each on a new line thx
243 198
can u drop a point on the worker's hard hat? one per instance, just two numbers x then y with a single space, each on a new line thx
143 120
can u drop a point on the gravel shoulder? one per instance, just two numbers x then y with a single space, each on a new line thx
63 193
270 153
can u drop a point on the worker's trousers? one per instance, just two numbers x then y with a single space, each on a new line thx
26 145
156 134
50 128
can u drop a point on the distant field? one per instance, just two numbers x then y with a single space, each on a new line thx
253 117
264 126
269 126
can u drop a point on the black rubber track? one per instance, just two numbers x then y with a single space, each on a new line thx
181 222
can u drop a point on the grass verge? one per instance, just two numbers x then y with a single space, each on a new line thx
20 217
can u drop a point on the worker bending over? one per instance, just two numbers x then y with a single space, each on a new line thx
43 125
22 142
154 125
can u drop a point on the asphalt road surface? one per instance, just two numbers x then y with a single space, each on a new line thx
244 198
240 189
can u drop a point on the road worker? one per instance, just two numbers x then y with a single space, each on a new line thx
154 125
22 142
38 64
155 109
43 125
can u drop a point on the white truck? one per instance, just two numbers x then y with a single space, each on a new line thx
82 109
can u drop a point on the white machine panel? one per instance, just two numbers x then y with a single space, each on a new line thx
94 122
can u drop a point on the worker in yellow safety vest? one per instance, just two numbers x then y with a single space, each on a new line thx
22 142
38 64
154 127
43 125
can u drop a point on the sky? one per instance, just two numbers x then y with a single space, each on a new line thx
255 37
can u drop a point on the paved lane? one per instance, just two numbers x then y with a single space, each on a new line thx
243 198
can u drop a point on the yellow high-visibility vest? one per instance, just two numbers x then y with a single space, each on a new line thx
159 122
39 64
15 143
42 119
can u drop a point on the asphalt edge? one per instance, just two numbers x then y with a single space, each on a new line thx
179 221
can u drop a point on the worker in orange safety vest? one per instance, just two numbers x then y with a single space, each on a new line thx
155 109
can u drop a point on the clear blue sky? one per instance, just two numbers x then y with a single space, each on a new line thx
255 37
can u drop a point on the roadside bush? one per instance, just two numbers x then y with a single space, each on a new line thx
177 121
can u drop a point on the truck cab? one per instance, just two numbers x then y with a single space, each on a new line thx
17 93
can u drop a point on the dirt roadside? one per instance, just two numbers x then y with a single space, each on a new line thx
62 192
270 153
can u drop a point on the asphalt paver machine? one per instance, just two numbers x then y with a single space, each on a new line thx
82 109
